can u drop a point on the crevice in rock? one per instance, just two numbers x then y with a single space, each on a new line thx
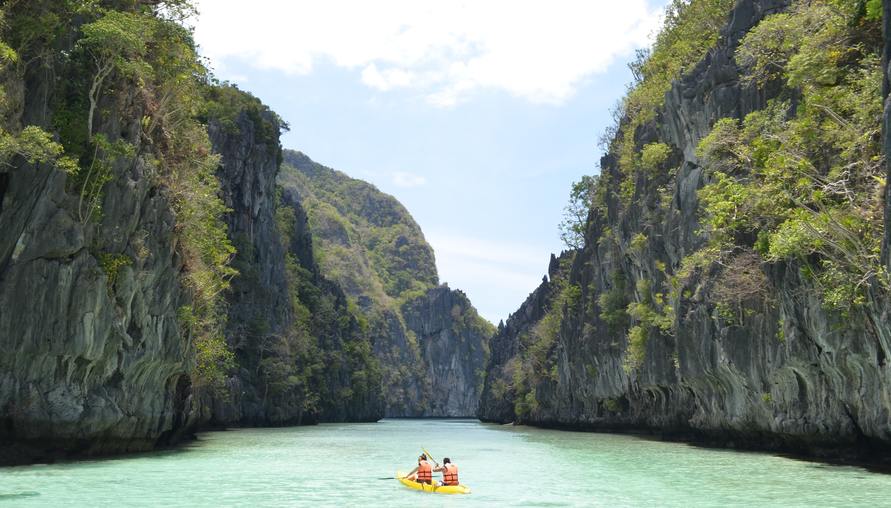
4 184
181 388
802 391
858 432
135 332
115 380
7 423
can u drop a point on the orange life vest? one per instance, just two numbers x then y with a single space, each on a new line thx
450 475
425 472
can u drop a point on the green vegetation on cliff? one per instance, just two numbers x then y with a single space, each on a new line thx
366 240
799 181
689 30
326 354
536 361
803 179
368 243
99 130
729 265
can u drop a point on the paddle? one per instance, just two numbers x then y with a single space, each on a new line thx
430 456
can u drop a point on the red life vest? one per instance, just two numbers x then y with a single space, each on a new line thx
425 472
450 475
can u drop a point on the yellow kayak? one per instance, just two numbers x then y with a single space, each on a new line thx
435 488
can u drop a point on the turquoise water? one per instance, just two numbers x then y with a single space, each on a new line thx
341 465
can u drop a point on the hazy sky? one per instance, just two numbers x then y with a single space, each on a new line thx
476 115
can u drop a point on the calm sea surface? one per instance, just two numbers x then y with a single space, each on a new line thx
349 465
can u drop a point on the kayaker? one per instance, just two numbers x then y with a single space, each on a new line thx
449 472
423 473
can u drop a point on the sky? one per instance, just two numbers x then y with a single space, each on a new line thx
477 116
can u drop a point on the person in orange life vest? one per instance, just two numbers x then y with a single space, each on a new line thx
423 473
449 472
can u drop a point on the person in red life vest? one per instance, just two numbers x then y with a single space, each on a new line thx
423 473
449 472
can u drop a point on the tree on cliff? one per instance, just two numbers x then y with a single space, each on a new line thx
575 214
115 42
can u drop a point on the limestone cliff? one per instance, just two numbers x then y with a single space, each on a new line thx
886 125
93 360
779 371
429 340
258 303
154 278
454 350
301 355
127 318
277 379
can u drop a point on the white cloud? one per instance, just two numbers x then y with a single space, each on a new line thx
408 180
387 80
537 50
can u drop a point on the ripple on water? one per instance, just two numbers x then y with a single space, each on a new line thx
17 495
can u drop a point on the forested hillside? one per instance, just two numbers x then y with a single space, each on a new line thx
727 282
430 341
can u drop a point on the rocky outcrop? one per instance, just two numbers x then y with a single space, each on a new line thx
116 283
258 303
886 93
454 349
498 394
429 340
92 361
271 346
783 374
345 378
406 385
93 295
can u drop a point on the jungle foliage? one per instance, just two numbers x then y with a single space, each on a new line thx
133 65
802 181
366 240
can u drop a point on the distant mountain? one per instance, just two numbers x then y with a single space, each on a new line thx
368 241
431 343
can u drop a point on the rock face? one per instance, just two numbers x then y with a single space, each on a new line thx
95 360
454 350
262 328
92 356
429 340
406 386
258 302
886 89
110 311
785 375
498 396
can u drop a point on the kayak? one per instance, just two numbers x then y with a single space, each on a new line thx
435 488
